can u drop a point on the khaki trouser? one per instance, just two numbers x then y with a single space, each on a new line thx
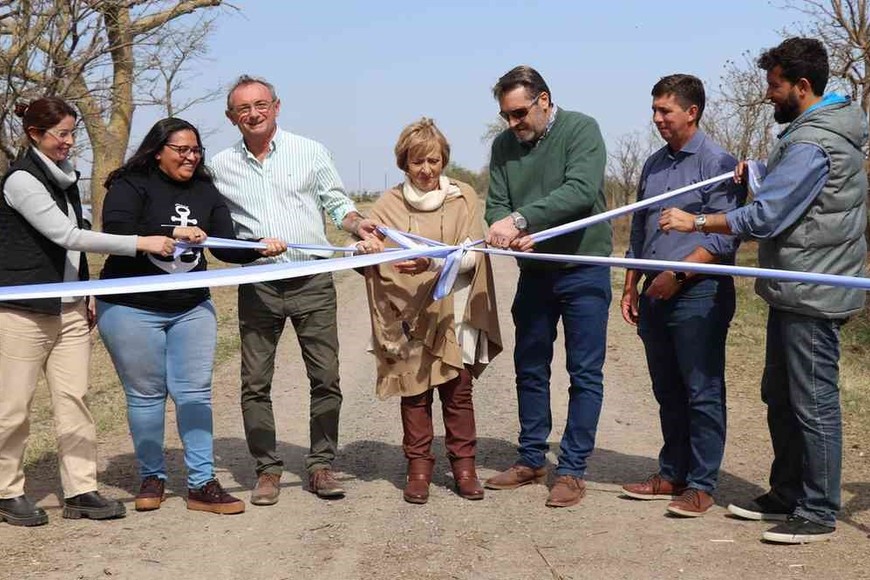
60 346
310 303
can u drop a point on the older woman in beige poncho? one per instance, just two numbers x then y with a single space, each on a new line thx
422 344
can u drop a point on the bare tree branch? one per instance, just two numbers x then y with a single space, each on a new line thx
89 53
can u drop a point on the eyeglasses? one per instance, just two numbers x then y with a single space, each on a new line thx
259 106
185 150
519 114
63 134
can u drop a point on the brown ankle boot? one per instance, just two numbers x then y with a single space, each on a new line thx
465 476
419 477
460 435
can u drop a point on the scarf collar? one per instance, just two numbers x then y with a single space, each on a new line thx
429 200
61 173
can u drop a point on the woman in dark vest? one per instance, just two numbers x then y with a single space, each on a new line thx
42 241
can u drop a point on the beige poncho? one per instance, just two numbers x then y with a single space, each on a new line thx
417 340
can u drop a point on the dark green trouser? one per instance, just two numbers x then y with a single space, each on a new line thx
309 302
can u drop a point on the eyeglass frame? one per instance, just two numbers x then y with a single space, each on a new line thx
248 108
70 133
185 150
521 113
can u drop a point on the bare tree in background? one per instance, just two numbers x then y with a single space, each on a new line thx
88 52
624 164
844 28
737 116
493 130
167 67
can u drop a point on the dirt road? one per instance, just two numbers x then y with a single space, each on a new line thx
373 534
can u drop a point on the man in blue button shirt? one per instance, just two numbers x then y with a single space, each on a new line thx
809 214
681 317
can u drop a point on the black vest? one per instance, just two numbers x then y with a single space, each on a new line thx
26 256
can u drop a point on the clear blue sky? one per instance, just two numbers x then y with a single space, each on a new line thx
352 74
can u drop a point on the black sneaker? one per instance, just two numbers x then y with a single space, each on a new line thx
763 508
798 530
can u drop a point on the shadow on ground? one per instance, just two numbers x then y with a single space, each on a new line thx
370 461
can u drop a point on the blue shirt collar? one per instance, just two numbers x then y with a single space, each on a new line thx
692 146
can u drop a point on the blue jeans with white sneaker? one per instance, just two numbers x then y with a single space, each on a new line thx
800 388
160 354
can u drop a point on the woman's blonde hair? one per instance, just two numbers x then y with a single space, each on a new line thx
420 135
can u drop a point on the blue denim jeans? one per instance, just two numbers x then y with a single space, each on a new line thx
580 297
684 340
158 354
800 388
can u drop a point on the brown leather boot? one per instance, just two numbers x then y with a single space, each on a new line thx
417 426
460 434
419 477
417 444
465 476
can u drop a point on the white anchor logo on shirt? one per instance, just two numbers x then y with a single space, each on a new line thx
187 260
183 213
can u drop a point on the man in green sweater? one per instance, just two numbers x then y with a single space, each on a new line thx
547 169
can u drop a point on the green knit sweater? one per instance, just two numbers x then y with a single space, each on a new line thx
558 181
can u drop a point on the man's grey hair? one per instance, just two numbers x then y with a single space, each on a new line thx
246 80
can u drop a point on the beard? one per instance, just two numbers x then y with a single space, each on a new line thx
788 111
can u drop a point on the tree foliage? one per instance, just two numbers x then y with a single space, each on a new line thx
479 180
96 54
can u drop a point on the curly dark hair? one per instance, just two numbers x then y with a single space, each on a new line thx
799 58
145 157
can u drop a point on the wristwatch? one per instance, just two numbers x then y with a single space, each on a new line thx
519 221
700 222
680 277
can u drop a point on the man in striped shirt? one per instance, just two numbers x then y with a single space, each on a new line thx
278 184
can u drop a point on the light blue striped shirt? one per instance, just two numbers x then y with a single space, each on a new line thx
285 196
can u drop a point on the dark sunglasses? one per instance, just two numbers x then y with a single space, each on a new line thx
519 114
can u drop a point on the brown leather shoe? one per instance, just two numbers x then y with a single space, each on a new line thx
655 487
151 494
419 477
567 490
465 476
267 490
515 476
212 498
691 503
323 483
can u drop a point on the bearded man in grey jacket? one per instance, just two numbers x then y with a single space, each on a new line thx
809 214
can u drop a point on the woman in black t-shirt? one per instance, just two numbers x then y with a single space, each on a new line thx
162 343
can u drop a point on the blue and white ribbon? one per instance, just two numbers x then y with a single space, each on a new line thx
415 246
210 278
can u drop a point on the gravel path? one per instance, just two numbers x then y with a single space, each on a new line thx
373 534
